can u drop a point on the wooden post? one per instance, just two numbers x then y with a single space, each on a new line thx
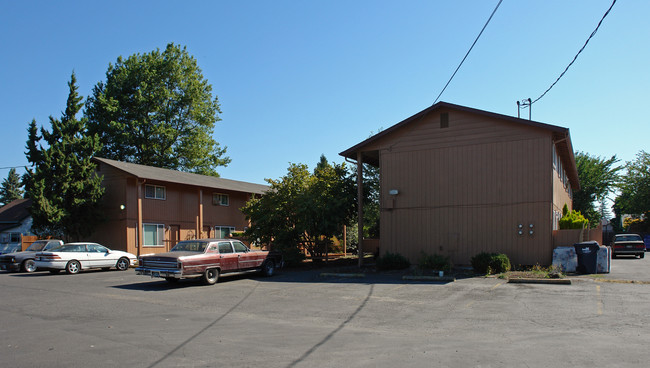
140 229
345 241
199 225
360 205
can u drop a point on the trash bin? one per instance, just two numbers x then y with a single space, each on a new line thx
587 253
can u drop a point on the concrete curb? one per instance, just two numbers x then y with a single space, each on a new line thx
429 278
352 275
540 281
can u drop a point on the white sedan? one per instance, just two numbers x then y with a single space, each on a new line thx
74 257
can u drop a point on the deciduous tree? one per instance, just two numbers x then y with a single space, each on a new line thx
157 109
598 178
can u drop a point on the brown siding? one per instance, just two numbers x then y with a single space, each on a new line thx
178 211
466 188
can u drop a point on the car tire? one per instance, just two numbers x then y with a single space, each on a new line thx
29 265
73 267
171 280
641 255
122 264
211 276
268 268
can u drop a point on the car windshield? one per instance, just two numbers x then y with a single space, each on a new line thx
628 238
36 246
190 246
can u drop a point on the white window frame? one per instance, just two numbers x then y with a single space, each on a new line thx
160 235
220 199
217 229
155 192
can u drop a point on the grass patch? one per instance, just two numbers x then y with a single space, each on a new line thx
533 272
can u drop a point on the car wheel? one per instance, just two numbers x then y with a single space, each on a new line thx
641 255
122 264
55 272
210 276
73 267
171 280
268 268
29 265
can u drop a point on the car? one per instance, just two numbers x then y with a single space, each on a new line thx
208 259
24 261
75 257
628 244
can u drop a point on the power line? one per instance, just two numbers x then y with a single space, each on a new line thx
574 58
468 51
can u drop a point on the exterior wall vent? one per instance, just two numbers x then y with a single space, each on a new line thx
444 120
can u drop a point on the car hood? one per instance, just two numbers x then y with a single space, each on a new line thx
168 255
14 254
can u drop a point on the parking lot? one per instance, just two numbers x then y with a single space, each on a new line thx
301 319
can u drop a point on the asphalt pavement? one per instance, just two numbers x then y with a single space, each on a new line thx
302 319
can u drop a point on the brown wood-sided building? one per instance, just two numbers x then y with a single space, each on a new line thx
149 209
457 181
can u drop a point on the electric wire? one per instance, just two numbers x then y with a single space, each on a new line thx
468 51
574 58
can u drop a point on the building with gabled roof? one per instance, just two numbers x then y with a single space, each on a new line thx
150 209
457 181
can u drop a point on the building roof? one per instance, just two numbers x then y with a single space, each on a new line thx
179 177
561 136
14 212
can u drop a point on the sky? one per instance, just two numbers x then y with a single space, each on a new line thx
298 79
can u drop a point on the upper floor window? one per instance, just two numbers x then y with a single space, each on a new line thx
154 192
220 199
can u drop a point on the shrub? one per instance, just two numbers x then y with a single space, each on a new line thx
434 262
572 219
291 255
392 261
490 263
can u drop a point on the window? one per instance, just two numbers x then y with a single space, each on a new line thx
220 199
225 247
153 235
240 247
223 232
154 192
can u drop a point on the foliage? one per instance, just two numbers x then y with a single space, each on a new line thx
62 183
371 211
434 262
392 261
598 178
303 209
156 109
490 263
572 219
635 187
11 188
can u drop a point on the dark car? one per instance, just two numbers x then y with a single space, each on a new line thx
207 259
628 244
24 261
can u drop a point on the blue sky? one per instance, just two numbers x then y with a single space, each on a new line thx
297 79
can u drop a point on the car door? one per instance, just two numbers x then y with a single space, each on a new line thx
247 260
227 257
99 256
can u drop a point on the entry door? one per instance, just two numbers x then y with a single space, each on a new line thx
227 257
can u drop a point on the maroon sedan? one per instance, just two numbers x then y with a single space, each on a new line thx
628 244
207 259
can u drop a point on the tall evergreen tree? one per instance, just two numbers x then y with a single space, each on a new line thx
11 188
62 183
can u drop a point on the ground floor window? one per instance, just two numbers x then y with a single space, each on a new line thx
153 235
223 232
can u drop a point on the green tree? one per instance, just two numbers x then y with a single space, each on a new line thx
11 188
303 209
634 197
598 178
157 109
62 183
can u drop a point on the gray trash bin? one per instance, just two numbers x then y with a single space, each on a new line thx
587 256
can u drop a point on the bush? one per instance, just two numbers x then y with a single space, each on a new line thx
490 263
572 219
291 255
434 262
392 261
